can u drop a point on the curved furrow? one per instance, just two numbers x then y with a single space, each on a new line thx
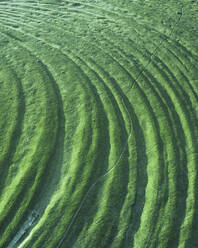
12 104
46 43
151 112
170 132
179 69
72 201
188 105
75 5
78 141
105 145
23 73
30 163
48 180
137 211
184 74
132 160
72 10
181 103
147 30
190 117
140 71
103 94
31 84
87 72
186 97
189 125
186 58
182 71
114 169
189 62
176 175
191 86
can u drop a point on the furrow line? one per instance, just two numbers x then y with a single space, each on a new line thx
72 2
150 111
16 198
159 98
10 143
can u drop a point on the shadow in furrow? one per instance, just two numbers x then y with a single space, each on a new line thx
142 179
105 136
178 140
4 165
93 194
41 179
157 128
53 169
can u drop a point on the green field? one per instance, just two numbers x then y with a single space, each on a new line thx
99 124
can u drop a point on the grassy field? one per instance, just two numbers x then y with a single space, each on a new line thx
98 124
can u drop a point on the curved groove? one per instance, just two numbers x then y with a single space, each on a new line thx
21 191
98 180
152 80
14 139
123 69
122 101
147 104
81 4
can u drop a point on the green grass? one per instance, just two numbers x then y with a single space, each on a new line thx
98 127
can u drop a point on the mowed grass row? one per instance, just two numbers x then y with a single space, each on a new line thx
108 112
82 125
64 20
168 141
96 77
173 80
12 114
32 153
112 211
188 104
123 98
190 118
158 100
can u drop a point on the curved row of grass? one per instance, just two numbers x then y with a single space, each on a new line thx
101 140
31 155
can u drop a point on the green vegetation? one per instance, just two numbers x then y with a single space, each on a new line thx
98 127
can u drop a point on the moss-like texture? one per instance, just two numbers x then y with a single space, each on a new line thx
98 125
